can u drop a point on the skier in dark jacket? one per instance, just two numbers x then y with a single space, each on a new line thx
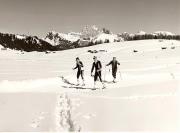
114 63
98 67
80 72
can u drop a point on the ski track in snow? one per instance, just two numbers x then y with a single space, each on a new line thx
63 114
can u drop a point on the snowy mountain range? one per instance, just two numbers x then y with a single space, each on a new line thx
97 36
90 35
55 38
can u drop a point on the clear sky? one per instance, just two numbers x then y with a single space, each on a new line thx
37 17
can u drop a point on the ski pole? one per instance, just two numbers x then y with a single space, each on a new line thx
120 74
105 73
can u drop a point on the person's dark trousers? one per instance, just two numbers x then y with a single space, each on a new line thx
97 74
114 71
80 73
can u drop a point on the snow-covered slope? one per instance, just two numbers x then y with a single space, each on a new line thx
145 98
141 33
1 46
55 38
20 36
124 50
165 33
106 38
89 32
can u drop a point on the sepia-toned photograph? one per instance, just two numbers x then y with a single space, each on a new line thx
89 65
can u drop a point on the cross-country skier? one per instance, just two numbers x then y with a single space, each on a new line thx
97 66
80 72
114 64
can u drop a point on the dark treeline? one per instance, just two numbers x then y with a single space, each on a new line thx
128 37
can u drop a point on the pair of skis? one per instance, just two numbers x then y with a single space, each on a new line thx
72 85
